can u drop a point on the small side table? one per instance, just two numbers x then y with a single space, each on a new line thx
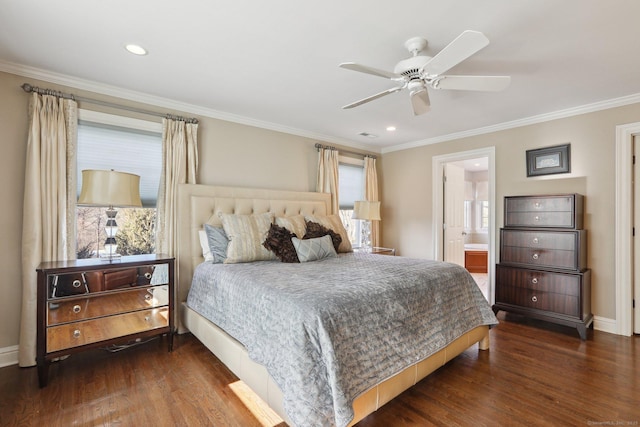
376 250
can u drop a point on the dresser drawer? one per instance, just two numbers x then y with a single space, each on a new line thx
558 211
76 309
76 334
542 248
548 301
566 294
537 280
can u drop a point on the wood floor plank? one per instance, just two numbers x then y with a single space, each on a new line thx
534 374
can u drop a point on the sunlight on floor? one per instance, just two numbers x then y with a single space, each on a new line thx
263 413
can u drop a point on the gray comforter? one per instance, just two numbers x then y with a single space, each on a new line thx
329 330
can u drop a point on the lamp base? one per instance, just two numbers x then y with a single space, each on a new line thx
110 257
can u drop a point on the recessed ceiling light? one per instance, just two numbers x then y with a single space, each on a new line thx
476 164
136 49
391 128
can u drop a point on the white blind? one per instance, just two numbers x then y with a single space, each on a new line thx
351 185
106 147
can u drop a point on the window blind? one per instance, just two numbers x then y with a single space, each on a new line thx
351 185
106 147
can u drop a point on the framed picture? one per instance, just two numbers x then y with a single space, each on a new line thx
549 160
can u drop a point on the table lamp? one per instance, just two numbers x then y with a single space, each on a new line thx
368 211
112 189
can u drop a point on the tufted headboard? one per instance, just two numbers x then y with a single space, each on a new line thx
200 204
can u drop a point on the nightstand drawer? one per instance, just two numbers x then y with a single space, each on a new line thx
564 240
554 258
76 309
91 331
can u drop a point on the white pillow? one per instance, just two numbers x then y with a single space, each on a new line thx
246 233
204 244
335 223
314 249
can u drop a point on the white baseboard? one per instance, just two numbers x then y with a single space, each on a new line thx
8 356
605 325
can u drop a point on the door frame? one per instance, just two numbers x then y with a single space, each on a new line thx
438 205
624 227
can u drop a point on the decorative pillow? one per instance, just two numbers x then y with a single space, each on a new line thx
204 244
295 224
218 243
316 230
279 242
334 223
246 234
314 249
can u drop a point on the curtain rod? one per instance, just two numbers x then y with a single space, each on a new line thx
328 147
28 88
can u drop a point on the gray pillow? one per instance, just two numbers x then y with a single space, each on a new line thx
314 249
218 243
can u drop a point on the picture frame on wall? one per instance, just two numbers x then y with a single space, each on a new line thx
549 160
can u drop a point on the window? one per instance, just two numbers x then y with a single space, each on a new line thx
127 145
351 188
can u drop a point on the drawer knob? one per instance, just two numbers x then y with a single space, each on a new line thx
534 298
76 283
535 256
76 308
147 297
537 218
147 318
534 280
537 204
147 275
535 240
76 333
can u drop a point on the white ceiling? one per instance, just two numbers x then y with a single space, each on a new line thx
275 63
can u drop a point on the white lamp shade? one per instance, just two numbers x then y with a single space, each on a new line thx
110 188
364 209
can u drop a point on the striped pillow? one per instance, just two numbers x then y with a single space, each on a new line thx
246 234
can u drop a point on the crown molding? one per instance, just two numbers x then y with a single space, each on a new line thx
131 95
560 114
170 104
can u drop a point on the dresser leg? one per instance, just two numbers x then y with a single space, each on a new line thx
582 330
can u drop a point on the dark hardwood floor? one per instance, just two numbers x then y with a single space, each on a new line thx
534 374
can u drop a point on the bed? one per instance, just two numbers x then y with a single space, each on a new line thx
352 400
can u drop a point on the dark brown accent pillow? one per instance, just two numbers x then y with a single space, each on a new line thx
278 241
317 230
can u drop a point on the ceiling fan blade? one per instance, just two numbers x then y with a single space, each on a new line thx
372 97
420 101
482 83
465 45
369 70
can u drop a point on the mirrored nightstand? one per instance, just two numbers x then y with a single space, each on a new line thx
376 250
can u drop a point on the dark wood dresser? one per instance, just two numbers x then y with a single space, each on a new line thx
89 303
543 260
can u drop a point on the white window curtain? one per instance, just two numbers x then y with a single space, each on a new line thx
49 202
179 166
328 176
371 194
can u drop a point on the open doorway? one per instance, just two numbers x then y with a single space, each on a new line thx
464 213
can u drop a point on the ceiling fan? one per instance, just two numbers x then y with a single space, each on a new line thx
421 71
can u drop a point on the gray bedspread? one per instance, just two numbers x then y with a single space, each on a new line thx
329 330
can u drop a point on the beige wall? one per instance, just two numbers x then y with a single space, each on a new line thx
407 176
229 154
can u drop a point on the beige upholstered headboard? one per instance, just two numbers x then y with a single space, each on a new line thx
200 204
